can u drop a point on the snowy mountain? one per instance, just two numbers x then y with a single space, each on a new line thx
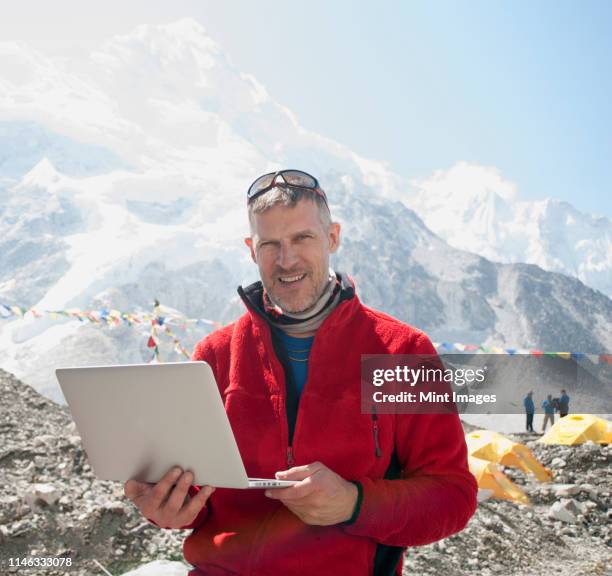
474 209
123 179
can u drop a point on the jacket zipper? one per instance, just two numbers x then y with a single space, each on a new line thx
377 450
270 346
290 456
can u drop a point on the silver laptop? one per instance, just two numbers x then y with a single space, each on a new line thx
137 421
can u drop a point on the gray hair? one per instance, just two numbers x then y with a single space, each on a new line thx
289 197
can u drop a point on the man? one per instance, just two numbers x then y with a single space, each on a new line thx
563 404
549 412
288 370
529 410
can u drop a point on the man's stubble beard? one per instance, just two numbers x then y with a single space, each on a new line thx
312 301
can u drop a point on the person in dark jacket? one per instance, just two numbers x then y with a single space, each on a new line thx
563 404
529 410
549 412
288 370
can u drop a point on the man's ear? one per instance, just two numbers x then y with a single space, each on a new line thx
333 236
249 242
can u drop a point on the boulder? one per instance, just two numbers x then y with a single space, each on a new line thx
45 494
564 490
159 568
566 510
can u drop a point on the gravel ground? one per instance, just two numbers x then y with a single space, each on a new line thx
513 539
51 505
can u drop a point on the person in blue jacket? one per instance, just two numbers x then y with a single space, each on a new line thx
549 412
529 410
563 404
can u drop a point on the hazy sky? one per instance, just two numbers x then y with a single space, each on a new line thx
524 86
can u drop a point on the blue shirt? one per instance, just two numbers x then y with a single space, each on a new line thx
298 351
548 407
563 403
529 407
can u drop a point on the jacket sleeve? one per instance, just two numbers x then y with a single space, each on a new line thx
436 495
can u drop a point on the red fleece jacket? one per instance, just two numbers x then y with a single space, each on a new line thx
244 532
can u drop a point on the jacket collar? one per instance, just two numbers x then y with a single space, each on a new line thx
252 296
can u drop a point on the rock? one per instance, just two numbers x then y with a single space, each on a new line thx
558 462
160 568
115 507
564 490
74 440
566 510
44 440
10 509
484 494
45 494
590 489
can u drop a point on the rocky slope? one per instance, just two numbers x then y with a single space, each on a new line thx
567 529
52 505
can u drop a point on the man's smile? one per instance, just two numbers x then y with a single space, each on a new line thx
291 279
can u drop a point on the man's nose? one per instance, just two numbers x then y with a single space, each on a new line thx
287 256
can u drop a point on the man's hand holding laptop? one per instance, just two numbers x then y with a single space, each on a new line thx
320 497
168 503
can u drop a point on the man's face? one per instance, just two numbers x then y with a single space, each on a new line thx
291 248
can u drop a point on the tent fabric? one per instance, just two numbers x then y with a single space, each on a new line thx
495 447
490 477
577 429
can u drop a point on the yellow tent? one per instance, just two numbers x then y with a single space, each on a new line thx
579 428
494 447
490 477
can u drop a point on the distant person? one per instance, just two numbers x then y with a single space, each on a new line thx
563 404
549 412
555 403
529 410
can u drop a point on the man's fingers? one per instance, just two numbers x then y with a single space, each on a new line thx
304 487
160 491
196 503
292 493
133 489
299 472
179 493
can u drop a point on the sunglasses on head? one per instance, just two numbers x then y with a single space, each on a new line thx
284 178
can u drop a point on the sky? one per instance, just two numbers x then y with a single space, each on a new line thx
522 86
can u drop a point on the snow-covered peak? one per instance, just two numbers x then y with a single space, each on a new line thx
42 176
473 208
181 48
178 65
466 182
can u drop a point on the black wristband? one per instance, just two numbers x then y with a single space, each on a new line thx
357 508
